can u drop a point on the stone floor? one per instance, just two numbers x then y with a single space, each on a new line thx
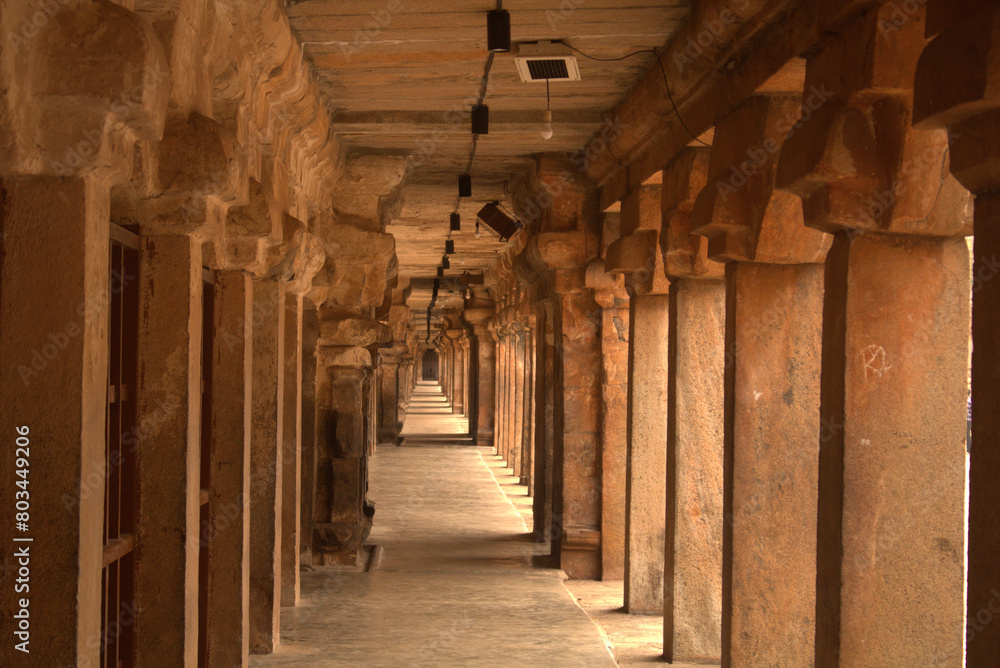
634 640
455 586
430 414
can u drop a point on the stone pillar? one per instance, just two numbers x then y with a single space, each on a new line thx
645 488
228 530
774 297
635 254
516 407
310 432
558 253
772 397
895 357
613 299
406 382
963 43
983 608
579 370
500 400
168 461
342 525
444 351
291 456
325 424
508 372
692 611
458 371
467 375
526 473
266 464
692 599
486 349
388 375
55 370
546 492
343 516
371 390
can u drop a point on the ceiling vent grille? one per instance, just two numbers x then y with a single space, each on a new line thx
546 61
547 69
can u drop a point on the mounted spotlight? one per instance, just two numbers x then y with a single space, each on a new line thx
498 30
445 263
449 247
480 119
456 222
465 185
503 224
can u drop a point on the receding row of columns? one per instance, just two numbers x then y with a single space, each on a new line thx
781 459
290 435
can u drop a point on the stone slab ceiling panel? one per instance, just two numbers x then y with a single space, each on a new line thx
399 78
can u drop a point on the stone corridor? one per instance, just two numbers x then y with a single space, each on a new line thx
455 586
294 292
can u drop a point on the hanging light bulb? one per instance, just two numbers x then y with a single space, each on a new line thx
547 118
547 125
477 230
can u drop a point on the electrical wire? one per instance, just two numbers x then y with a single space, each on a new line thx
666 82
484 85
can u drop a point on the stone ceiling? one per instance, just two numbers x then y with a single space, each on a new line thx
400 76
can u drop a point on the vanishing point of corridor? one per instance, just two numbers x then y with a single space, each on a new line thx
451 581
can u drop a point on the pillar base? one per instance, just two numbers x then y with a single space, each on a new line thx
390 436
340 542
580 553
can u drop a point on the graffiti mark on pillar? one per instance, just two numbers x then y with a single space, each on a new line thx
876 364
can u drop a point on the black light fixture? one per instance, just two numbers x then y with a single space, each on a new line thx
504 225
465 185
449 246
498 30
440 274
480 119
456 222
445 263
